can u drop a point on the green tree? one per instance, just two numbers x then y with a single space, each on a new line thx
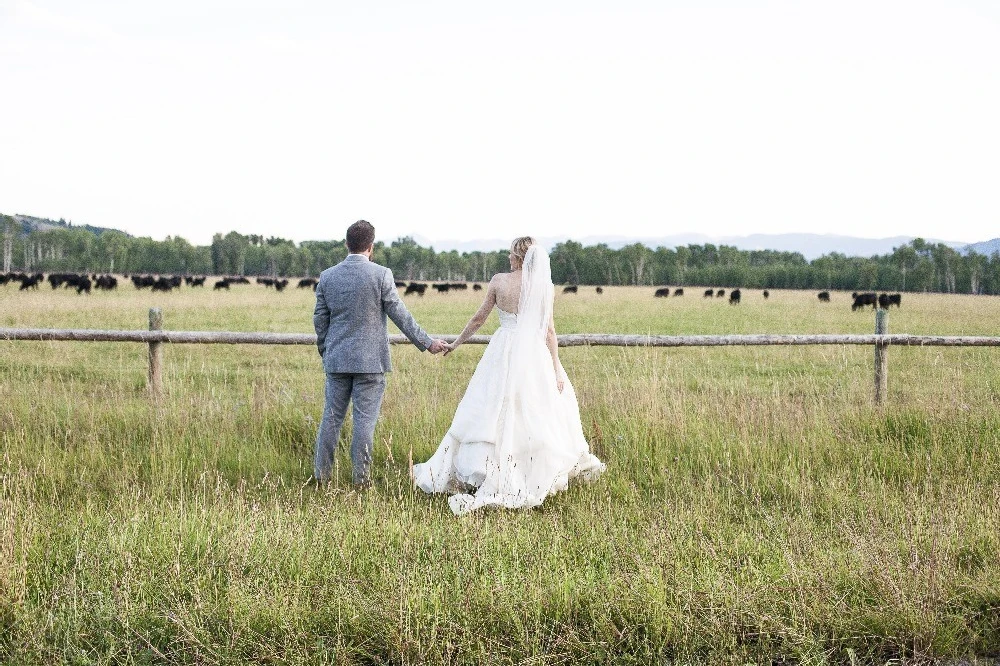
635 257
566 258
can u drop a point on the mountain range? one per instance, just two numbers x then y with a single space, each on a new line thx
987 248
811 246
29 223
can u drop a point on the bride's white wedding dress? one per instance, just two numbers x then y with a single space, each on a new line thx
515 438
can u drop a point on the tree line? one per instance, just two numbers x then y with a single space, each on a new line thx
915 266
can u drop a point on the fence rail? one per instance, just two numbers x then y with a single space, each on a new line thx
155 337
568 340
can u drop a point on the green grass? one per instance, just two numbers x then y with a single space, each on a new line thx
757 507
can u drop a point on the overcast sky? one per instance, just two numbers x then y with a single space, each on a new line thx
464 120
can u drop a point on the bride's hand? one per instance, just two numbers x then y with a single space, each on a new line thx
560 384
449 348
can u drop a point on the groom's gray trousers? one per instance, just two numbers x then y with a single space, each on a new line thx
365 392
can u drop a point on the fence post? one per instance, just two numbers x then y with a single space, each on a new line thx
155 354
881 356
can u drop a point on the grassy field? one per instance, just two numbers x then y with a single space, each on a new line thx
758 508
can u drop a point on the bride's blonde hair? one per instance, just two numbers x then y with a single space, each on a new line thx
519 248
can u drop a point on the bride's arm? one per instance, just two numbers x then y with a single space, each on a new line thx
478 319
553 344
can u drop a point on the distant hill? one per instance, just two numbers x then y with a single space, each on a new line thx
811 246
987 248
30 223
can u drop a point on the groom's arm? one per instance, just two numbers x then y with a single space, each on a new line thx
321 318
400 316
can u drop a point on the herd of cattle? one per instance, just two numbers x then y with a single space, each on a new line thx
735 296
84 283
419 288
875 300
863 300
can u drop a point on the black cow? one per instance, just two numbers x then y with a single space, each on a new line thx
198 281
30 282
477 287
163 284
766 294
709 293
572 289
662 292
678 292
415 288
279 285
143 281
734 297
458 286
824 296
305 283
398 284
66 280
721 293
885 300
864 300
81 283
600 290
442 288
106 282
221 284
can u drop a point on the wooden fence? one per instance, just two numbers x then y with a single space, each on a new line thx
881 340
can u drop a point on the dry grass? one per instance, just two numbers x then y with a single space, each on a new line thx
757 507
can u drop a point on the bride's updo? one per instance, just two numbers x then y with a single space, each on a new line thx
519 248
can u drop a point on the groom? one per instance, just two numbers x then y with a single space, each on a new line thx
353 299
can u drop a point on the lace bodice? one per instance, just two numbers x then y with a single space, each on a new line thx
507 319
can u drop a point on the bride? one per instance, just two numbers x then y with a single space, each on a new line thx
516 437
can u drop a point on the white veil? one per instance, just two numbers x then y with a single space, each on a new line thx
534 310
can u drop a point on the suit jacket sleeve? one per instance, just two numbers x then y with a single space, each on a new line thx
400 316
321 318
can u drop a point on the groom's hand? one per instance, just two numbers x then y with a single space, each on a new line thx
437 346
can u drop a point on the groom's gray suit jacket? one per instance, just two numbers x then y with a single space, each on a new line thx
353 300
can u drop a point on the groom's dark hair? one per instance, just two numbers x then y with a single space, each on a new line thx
360 236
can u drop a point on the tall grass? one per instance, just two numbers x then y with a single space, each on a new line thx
758 507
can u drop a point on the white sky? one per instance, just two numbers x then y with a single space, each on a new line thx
464 120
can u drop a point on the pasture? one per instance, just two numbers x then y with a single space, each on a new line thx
758 507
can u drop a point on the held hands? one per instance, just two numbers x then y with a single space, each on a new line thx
449 348
439 346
